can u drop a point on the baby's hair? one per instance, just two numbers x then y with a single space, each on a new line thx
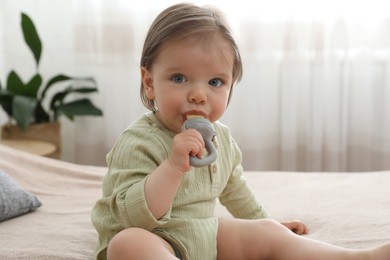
180 21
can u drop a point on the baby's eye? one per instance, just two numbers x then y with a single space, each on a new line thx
215 82
178 78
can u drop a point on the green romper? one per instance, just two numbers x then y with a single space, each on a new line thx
189 225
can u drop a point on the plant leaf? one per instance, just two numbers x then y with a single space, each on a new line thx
31 37
23 109
83 90
40 115
6 102
58 98
52 81
81 107
33 85
62 77
58 78
16 86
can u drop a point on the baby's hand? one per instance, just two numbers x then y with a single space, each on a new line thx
186 143
296 226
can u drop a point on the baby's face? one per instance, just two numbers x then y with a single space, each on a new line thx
191 76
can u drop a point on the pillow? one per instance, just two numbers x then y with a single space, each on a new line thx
14 200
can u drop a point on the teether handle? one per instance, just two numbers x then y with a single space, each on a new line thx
206 129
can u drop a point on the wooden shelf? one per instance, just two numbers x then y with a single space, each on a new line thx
31 146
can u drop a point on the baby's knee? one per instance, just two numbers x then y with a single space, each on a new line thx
270 225
126 243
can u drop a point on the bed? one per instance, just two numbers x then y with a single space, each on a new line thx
347 209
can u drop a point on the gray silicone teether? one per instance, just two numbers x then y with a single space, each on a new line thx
206 129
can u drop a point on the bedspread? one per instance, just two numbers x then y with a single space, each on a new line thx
347 209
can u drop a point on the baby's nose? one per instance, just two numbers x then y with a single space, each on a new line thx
197 94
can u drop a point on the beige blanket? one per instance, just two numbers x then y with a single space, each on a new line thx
61 227
345 209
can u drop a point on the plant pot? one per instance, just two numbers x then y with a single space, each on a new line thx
47 132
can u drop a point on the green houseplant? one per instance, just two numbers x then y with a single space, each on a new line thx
27 103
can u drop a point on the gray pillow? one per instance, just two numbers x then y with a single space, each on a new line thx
14 200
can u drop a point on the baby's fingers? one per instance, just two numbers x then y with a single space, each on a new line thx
196 143
297 227
300 229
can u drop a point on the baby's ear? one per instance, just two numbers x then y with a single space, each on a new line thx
147 83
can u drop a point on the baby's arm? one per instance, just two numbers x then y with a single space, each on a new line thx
163 183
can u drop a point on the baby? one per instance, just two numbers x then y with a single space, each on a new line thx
155 204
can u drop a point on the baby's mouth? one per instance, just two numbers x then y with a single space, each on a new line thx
194 116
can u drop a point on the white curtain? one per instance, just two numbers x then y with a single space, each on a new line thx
315 94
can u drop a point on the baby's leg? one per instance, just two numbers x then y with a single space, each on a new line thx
137 243
267 239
